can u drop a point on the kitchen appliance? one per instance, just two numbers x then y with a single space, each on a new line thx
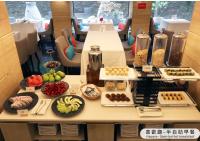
159 47
176 49
94 66
142 46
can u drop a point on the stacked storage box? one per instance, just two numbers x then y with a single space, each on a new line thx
47 129
69 129
129 130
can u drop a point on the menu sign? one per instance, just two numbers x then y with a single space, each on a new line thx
23 112
141 5
147 68
30 89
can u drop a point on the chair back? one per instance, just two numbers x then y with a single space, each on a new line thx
151 25
28 31
61 44
65 33
152 29
75 24
127 25
50 28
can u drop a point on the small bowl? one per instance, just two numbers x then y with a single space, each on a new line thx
56 95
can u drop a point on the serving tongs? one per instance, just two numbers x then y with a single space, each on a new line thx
39 108
149 109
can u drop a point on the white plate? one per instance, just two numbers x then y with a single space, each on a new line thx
189 78
132 75
106 102
185 102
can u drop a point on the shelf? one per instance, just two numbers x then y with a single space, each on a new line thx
60 137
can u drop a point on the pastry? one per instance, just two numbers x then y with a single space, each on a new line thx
110 85
179 72
172 96
119 71
117 97
121 86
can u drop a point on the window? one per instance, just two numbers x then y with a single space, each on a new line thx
87 11
16 9
169 9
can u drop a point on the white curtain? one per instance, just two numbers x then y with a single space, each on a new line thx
32 12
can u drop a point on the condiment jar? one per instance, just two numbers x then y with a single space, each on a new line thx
159 47
142 46
176 49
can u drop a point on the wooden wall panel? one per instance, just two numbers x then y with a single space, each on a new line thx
100 132
6 44
60 8
4 22
16 131
61 13
141 17
192 51
10 70
195 23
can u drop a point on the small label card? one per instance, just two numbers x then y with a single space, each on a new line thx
30 89
147 68
23 112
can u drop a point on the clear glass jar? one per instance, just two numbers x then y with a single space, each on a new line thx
142 46
121 85
110 85
176 49
159 47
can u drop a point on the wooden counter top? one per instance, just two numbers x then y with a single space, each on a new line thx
94 112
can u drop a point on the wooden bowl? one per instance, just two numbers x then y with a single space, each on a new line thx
90 97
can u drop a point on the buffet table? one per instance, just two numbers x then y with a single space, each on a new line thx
95 112
110 45
97 117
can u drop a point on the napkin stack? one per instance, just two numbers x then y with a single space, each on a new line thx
69 129
42 107
129 130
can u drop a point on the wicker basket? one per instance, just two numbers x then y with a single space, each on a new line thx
90 97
